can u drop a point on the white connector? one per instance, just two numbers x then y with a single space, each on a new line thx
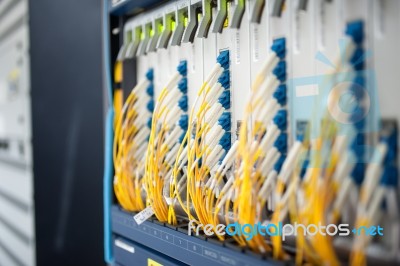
173 137
213 137
212 156
173 82
173 116
268 186
170 158
269 64
229 159
172 98
212 117
214 94
374 169
269 138
269 161
267 89
142 135
290 162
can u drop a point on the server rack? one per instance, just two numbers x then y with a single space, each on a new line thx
153 243
125 242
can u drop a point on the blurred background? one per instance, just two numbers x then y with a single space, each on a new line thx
51 132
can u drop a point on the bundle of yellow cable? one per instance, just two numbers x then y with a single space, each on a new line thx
130 142
205 148
333 179
260 146
165 139
207 125
381 180
319 179
315 206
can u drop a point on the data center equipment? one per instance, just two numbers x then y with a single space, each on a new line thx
250 114
17 219
50 133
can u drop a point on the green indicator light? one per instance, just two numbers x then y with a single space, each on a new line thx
160 27
185 21
173 25
129 36
142 35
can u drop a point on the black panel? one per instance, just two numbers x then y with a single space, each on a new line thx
129 80
67 112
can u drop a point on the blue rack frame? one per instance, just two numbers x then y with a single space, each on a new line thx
171 245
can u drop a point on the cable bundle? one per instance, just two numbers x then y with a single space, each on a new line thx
378 198
208 139
130 144
190 164
321 189
260 149
304 193
168 125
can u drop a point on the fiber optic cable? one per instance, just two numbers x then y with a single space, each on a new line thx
207 123
312 180
130 138
168 125
373 194
264 104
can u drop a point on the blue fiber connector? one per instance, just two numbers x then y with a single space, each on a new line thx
280 94
183 103
279 163
150 74
149 122
225 99
304 168
357 146
182 68
182 137
391 142
225 141
183 122
279 47
280 71
358 59
281 143
300 137
357 115
225 121
182 85
356 31
150 106
150 90
225 79
358 173
223 59
390 177
280 120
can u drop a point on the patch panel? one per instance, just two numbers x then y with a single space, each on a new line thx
295 81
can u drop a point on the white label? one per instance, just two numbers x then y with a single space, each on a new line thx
124 246
142 216
237 46
255 43
307 90
193 57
